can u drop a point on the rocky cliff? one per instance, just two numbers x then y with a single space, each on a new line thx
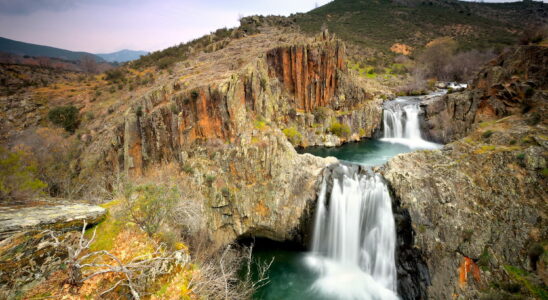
478 206
512 83
224 122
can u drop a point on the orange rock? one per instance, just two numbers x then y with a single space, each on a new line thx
401 49
467 266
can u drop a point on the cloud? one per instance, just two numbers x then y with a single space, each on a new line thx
24 7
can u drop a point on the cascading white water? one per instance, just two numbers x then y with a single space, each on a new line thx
354 238
402 124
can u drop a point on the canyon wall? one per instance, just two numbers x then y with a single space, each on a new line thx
478 206
504 87
229 134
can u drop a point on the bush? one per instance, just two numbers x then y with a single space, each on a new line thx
54 155
340 130
114 75
65 116
320 113
487 134
17 176
166 62
294 136
149 205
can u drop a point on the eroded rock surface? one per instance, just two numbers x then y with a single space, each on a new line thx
479 202
59 217
513 83
230 124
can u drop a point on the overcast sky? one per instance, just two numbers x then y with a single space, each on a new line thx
110 25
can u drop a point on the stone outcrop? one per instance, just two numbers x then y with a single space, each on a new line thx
229 130
309 72
56 217
479 200
478 206
513 83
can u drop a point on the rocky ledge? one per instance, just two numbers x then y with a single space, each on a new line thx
61 217
478 209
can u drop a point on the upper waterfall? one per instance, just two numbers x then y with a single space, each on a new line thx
401 124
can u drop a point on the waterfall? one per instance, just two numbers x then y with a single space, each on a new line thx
354 237
402 124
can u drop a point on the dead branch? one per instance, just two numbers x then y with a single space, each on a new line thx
137 273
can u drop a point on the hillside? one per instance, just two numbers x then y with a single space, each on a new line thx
379 24
122 55
21 48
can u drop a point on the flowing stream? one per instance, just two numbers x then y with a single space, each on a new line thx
353 247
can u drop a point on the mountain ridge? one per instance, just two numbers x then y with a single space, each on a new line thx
23 48
123 55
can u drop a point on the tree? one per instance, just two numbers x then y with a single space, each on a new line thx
65 116
17 176
89 64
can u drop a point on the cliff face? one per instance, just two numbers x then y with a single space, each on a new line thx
513 83
477 207
308 72
226 126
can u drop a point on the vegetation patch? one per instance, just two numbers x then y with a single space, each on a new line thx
523 277
340 130
66 117
293 135
18 176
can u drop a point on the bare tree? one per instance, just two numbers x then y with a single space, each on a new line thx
219 276
89 64
84 265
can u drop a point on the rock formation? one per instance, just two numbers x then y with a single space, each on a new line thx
478 207
505 86
231 120
59 217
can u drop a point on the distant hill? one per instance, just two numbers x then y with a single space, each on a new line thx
379 24
122 55
21 48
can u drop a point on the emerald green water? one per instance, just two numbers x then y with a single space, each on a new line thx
290 277
368 152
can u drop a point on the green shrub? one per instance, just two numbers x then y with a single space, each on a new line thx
294 136
65 116
261 125
188 169
114 75
17 176
321 113
194 94
150 205
209 179
165 62
487 134
340 130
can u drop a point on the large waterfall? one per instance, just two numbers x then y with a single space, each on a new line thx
354 237
402 124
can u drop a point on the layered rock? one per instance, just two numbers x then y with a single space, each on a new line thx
56 217
478 207
309 72
476 200
227 126
513 83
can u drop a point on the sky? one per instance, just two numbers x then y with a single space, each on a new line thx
102 26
